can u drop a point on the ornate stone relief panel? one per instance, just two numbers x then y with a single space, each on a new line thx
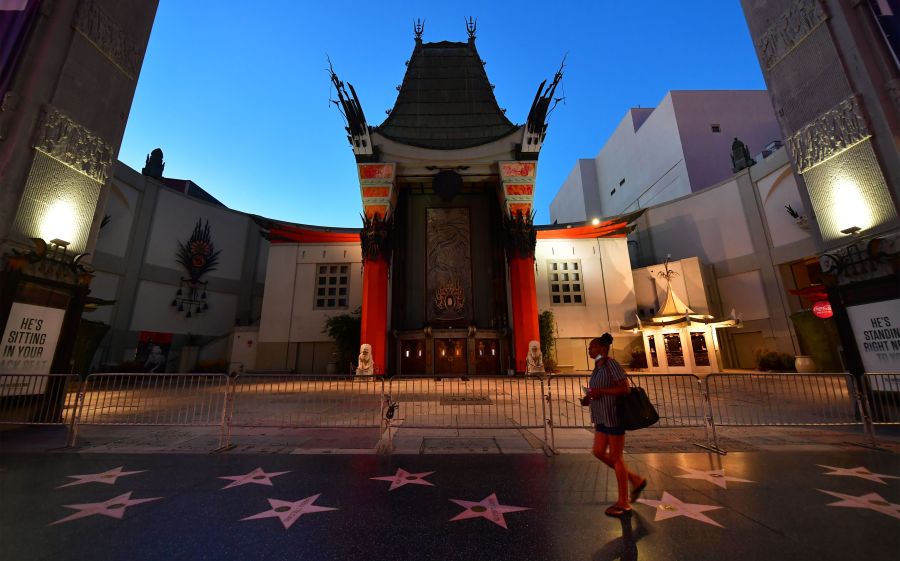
448 264
829 134
800 19
63 139
110 39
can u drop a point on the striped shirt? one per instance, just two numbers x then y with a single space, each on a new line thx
603 408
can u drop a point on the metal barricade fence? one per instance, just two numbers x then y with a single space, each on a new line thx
678 399
299 401
883 394
468 402
783 399
154 400
38 399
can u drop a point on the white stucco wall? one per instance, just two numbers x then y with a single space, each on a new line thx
745 294
104 286
710 225
607 280
288 309
153 312
648 157
121 207
174 221
776 190
579 195
667 152
745 114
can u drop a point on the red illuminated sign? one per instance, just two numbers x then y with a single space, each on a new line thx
822 309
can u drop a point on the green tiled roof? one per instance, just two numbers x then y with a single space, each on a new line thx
446 101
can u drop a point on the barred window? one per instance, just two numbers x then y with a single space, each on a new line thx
566 282
332 285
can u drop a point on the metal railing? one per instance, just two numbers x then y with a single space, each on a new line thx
679 399
782 399
883 394
548 403
196 400
37 399
468 402
294 401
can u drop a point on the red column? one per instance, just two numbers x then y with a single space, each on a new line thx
374 310
524 306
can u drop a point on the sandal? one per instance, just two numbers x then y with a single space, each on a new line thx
636 492
617 512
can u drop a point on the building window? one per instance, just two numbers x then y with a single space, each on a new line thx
715 127
613 192
622 182
566 282
332 285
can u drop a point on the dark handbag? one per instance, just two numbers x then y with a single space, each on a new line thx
634 409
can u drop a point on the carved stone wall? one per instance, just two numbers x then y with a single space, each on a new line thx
788 30
830 134
448 264
107 35
61 138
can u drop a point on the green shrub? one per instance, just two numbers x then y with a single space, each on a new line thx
638 358
344 329
772 361
547 330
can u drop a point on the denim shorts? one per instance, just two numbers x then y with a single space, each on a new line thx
613 431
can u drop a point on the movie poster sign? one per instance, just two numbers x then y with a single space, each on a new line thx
153 351
28 345
876 327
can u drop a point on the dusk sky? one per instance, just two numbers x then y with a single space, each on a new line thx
236 93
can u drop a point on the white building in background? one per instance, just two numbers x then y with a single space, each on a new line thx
657 154
137 268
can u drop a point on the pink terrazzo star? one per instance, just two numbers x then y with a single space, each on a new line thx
107 477
289 512
489 508
114 508
257 476
403 477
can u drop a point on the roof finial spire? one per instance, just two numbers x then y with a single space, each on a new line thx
418 29
471 26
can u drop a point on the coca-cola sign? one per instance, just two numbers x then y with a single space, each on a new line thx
822 309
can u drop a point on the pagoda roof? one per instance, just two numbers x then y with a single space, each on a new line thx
446 101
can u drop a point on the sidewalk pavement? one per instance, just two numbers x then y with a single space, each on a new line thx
783 501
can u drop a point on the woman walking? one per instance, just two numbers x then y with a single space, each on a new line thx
608 380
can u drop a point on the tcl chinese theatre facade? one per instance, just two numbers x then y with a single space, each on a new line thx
444 268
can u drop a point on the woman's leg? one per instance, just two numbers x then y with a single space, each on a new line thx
616 447
601 441
601 450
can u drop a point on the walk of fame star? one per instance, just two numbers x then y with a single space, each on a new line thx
114 508
871 501
714 476
860 472
257 476
403 477
108 477
289 512
670 507
488 507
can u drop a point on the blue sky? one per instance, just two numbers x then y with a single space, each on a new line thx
236 93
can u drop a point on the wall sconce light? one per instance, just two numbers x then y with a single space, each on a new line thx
595 222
